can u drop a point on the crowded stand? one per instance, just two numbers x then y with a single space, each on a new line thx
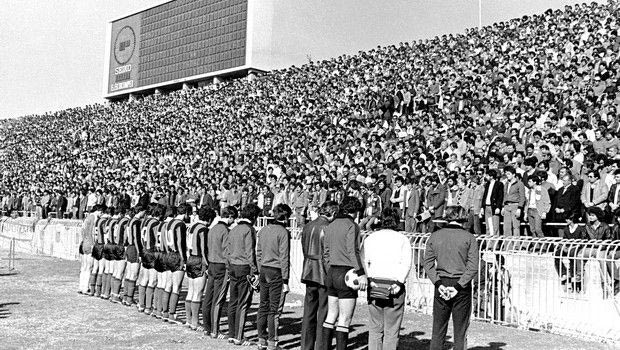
513 127
515 109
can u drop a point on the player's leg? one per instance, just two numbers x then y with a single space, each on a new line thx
166 294
130 282
177 282
149 306
143 281
158 295
346 308
119 270
327 329
100 278
107 277
92 282
199 286
188 301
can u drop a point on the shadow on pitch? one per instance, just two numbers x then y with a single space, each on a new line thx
491 346
4 309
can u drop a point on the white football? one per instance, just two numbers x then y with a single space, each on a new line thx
351 279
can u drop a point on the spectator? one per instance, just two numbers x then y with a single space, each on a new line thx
493 199
514 202
538 205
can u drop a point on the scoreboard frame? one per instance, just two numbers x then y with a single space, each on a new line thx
113 90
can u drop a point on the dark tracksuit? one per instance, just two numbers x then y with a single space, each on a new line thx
272 253
215 293
313 276
241 255
455 252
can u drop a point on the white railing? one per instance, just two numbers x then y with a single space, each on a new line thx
520 283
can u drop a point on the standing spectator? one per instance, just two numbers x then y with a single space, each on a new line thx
299 201
372 209
514 202
451 262
566 201
594 192
83 205
206 200
387 259
476 209
436 201
399 193
538 205
493 198
61 204
413 204
265 200
613 199
45 201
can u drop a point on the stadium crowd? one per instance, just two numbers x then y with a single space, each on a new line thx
516 122
513 123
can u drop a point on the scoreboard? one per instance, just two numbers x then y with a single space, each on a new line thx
181 40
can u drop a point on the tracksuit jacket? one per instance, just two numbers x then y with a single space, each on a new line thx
274 248
240 249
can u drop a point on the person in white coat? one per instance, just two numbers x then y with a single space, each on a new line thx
387 260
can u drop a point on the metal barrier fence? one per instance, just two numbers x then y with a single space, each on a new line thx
293 225
52 237
562 286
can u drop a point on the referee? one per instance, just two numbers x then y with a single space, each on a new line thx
451 262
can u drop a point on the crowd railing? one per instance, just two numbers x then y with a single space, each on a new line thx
562 286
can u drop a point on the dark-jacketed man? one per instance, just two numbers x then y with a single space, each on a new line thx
451 262
313 276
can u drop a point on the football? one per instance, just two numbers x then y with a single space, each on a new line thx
351 279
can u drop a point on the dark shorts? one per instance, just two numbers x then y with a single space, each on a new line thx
334 281
80 249
108 253
97 252
131 254
194 267
148 259
118 252
173 262
159 264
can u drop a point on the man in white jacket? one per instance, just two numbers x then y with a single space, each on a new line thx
387 259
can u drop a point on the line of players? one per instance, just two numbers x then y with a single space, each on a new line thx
156 247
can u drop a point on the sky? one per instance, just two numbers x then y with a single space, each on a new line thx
52 51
